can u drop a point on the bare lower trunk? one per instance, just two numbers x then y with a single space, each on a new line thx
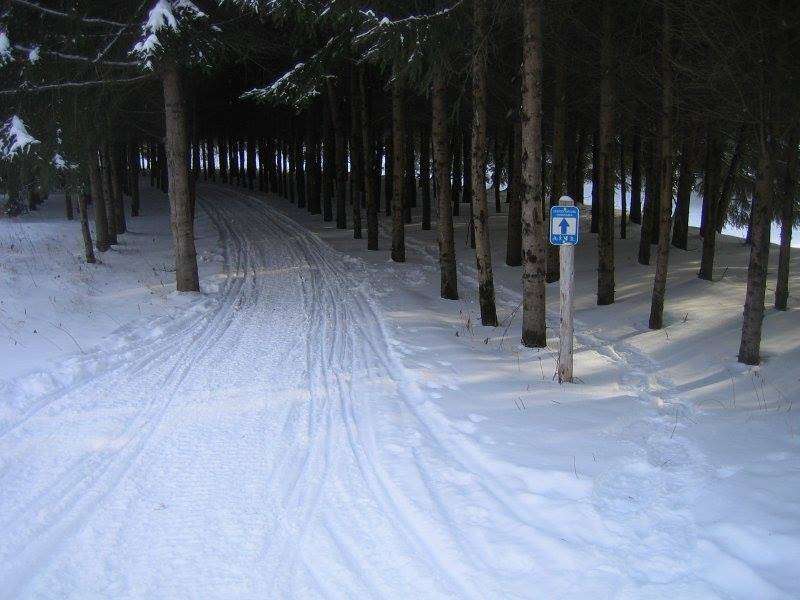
441 153
710 203
534 333
680 231
340 166
96 186
68 206
605 242
559 159
636 179
133 174
514 198
647 210
108 194
357 163
369 159
787 219
87 235
425 176
483 252
328 168
753 317
665 179
399 152
623 184
115 164
186 278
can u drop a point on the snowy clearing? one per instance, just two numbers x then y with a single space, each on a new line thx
318 423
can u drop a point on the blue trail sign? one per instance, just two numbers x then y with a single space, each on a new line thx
564 225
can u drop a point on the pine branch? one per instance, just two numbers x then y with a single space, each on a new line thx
63 15
75 84
78 58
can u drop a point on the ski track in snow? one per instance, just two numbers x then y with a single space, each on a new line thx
272 444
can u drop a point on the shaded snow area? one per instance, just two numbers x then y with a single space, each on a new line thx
319 424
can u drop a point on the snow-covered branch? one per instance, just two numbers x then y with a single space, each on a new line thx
14 138
37 52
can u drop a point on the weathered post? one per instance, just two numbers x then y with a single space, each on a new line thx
564 227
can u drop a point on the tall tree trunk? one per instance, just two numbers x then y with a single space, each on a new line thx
665 180
557 189
636 178
647 209
186 278
623 185
328 168
441 153
789 192
425 176
711 202
534 333
357 163
116 171
87 235
498 205
753 317
212 162
410 181
223 159
594 223
340 156
108 194
68 206
514 198
388 177
483 252
605 242
96 186
251 162
399 153
458 176
680 231
133 174
369 160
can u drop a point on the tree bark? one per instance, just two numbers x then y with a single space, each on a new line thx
340 158
534 333
328 168
458 176
514 198
357 163
186 277
498 205
665 180
483 252
557 189
680 231
87 235
647 210
711 202
133 174
425 176
108 194
441 153
787 220
623 185
116 171
605 242
96 186
399 153
753 317
68 206
369 160
636 178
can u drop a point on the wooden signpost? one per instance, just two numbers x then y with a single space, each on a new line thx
565 233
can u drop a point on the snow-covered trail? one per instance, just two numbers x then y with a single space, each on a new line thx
271 445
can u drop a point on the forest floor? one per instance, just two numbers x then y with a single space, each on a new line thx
318 423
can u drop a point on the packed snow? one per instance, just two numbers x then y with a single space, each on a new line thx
318 423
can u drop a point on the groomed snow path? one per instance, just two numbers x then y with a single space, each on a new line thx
242 452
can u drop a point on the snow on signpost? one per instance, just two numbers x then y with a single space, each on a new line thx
565 233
